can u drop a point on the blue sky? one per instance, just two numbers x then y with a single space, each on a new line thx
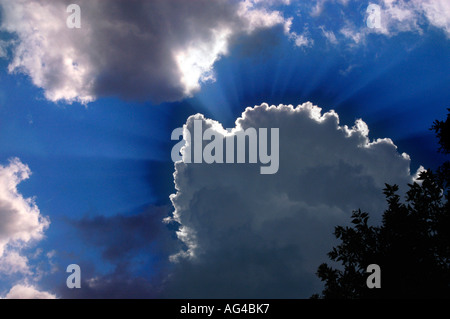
100 153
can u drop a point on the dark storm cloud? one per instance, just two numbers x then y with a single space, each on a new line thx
135 246
119 284
122 236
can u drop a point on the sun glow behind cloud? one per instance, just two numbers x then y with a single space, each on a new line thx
196 62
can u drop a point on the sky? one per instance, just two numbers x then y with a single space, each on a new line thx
86 119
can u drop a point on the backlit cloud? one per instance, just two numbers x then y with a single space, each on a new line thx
164 50
159 50
253 235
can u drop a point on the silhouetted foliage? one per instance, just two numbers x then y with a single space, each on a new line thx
442 130
412 244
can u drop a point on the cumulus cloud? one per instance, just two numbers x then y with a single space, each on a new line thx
25 291
21 224
20 218
159 50
252 235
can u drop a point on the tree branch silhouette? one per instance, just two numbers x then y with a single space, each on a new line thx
412 244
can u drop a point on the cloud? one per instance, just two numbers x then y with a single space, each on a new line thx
348 69
256 236
408 16
136 251
159 50
24 291
12 262
437 13
121 284
164 50
329 35
301 40
353 34
396 16
21 224
20 220
121 236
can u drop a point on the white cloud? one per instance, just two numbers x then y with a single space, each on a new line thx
329 35
256 16
21 224
24 291
318 8
159 50
403 16
12 262
47 51
20 218
398 16
301 40
353 34
252 235
437 13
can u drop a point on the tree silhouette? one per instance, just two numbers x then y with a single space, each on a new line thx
411 246
442 130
